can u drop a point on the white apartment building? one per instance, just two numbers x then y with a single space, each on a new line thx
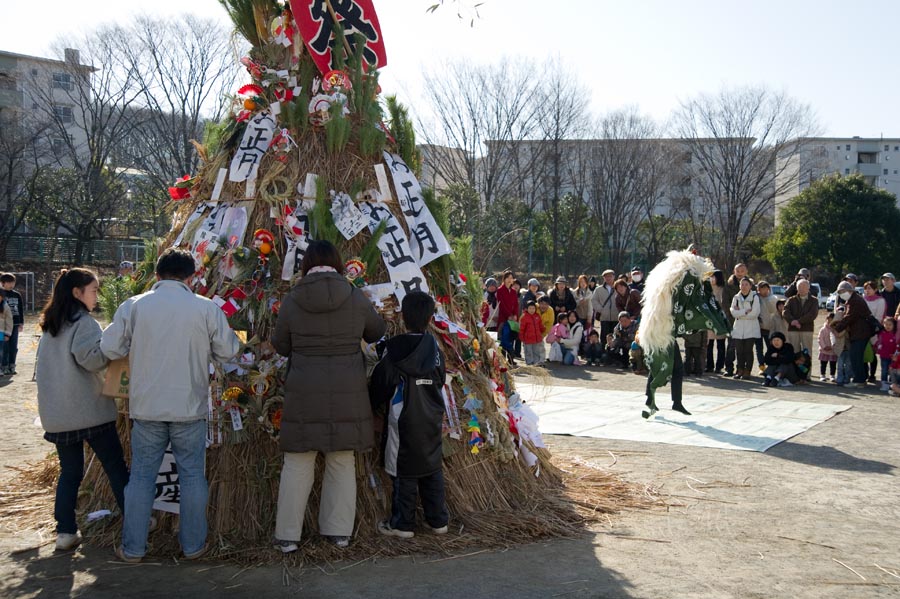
876 159
29 83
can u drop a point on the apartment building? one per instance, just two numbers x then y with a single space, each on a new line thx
876 159
37 92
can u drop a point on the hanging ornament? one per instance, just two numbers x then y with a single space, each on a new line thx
336 80
182 188
355 272
282 144
264 242
476 442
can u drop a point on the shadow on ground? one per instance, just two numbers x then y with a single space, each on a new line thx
561 567
828 457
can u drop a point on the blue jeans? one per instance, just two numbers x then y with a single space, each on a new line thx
844 370
885 369
11 348
857 350
568 355
149 440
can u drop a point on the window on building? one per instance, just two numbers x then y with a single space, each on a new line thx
34 72
846 171
64 113
897 148
847 147
887 148
885 172
58 144
63 81
895 171
839 148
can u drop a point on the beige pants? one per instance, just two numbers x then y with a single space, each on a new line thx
800 340
337 508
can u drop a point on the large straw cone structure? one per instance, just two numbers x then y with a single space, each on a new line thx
493 497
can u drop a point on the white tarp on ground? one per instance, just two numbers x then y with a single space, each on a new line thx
745 423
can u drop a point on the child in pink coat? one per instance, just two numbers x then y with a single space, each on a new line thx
827 355
885 347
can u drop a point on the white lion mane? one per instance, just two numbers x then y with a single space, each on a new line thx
657 322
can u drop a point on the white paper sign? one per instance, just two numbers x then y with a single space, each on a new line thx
426 238
205 241
197 213
347 217
168 491
256 140
296 234
220 181
404 271
234 225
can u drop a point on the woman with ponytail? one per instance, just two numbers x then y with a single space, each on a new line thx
72 409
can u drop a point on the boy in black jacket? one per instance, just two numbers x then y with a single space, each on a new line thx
410 376
779 362
14 301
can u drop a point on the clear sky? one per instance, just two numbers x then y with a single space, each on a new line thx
841 57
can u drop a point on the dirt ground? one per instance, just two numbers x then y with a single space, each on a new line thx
816 516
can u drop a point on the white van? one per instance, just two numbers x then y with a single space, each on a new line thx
816 290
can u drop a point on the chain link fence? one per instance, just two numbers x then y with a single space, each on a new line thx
62 250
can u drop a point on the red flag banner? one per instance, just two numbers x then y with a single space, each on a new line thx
316 26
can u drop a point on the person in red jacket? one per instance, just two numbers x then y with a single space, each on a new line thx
508 303
531 333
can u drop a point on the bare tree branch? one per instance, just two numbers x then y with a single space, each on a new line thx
735 139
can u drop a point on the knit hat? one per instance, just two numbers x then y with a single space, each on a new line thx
592 280
778 335
560 279
490 281
625 314
636 269
804 272
844 286
126 264
530 303
534 282
852 276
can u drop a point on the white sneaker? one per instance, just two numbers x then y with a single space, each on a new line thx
339 541
284 546
67 542
785 383
441 530
823 378
885 386
384 527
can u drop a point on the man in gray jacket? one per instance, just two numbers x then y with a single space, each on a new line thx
603 304
170 335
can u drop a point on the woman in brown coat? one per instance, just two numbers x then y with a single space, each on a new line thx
326 398
627 299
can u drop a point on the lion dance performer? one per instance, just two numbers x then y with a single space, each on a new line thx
678 300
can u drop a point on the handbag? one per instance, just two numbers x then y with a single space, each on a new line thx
555 354
874 325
